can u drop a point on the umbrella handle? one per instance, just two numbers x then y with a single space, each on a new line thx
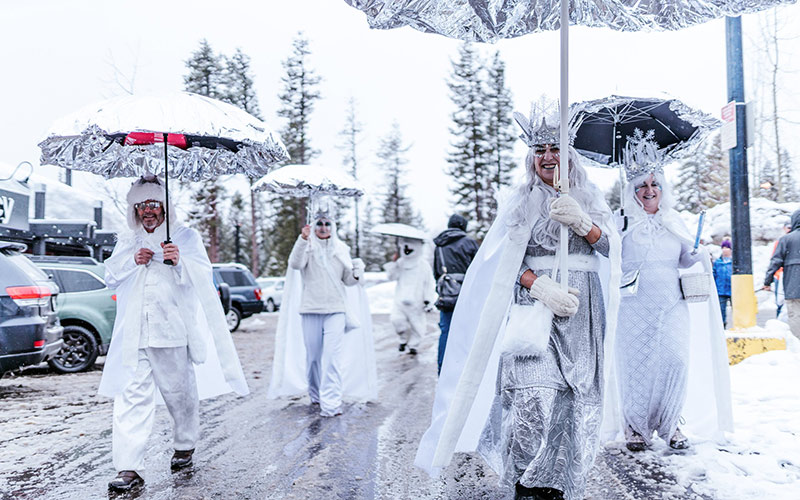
166 197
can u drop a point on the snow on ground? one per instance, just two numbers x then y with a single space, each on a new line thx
761 458
381 297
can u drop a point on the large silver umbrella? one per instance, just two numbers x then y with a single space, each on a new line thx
178 134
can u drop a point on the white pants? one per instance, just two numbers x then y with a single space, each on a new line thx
409 325
171 371
323 335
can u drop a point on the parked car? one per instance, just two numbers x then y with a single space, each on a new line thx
245 292
30 331
87 309
271 292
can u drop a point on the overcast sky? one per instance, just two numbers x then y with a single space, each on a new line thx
59 56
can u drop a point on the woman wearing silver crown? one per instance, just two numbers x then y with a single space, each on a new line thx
523 381
324 340
671 355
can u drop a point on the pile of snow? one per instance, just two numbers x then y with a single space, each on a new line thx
766 221
381 297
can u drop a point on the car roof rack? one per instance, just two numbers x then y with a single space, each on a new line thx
65 259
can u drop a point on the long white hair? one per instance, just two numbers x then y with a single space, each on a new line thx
545 231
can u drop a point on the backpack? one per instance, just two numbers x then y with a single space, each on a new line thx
448 286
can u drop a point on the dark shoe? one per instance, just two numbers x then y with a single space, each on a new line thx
126 480
678 441
412 351
525 493
634 441
181 459
402 348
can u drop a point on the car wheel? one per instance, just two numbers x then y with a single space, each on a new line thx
270 305
234 317
79 352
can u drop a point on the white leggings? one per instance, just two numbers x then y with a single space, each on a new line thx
323 334
170 370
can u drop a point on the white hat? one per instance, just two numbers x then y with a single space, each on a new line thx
144 189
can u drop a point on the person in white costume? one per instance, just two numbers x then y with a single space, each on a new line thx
324 305
414 295
522 378
170 342
671 355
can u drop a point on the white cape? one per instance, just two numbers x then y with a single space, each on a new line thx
708 408
464 397
359 373
211 348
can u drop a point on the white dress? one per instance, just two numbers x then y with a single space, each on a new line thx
653 334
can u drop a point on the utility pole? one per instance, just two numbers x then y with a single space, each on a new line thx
238 226
743 295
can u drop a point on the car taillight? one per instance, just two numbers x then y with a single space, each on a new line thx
114 297
38 343
29 295
257 291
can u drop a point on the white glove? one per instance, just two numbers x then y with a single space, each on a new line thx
567 211
562 303
358 268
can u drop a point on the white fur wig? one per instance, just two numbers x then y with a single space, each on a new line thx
144 189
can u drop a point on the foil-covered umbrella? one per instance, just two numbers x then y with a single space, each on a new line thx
605 126
179 135
309 181
399 230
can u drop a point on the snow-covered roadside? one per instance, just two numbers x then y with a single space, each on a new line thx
761 458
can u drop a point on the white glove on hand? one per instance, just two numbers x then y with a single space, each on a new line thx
562 303
566 210
358 268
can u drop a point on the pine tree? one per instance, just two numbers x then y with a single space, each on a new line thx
499 131
236 217
351 136
239 90
767 182
613 196
297 100
790 191
205 72
396 205
469 156
703 181
206 78
372 251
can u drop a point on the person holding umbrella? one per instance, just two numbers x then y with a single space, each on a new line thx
532 407
671 358
170 342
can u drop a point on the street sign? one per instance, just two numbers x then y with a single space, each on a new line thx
728 129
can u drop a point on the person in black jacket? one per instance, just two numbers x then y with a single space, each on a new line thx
454 252
787 255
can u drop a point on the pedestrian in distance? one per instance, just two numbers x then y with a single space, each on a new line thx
323 343
170 343
780 299
787 256
454 253
524 405
414 294
723 269
660 340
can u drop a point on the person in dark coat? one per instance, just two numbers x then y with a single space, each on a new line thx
453 255
787 255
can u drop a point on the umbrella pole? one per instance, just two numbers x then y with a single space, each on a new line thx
166 197
563 167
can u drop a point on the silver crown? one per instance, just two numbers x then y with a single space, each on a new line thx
322 214
642 155
544 133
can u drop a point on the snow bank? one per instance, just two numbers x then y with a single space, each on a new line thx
381 297
766 221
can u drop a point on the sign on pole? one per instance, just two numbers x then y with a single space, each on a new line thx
728 130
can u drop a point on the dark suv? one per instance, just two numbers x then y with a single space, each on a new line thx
29 328
245 292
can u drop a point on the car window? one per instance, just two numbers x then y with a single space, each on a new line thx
78 281
235 277
55 275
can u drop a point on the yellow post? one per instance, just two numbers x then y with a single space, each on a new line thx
743 301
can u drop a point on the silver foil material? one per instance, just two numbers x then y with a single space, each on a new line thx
492 20
309 181
705 124
81 141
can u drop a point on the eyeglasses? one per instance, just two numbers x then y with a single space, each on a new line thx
323 223
540 152
645 186
152 205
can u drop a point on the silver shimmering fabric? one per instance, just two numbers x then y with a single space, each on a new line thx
80 141
306 181
492 20
543 426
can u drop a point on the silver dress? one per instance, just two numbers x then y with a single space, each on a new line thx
542 429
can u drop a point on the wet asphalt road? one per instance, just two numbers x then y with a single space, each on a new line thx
55 440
